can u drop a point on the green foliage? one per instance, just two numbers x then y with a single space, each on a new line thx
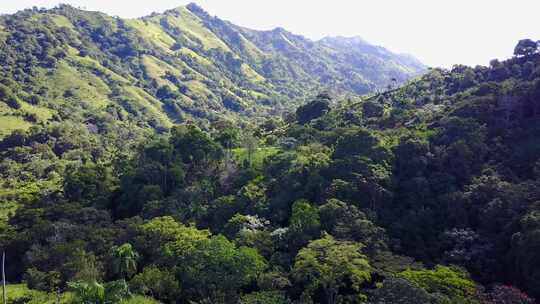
100 185
20 293
125 260
85 267
164 236
194 145
525 246
172 67
90 182
327 264
304 217
158 283
139 300
397 290
44 281
96 293
454 284
217 268
228 138
258 156
345 221
264 297
304 224
360 142
526 47
315 109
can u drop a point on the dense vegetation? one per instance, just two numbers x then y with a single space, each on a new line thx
426 193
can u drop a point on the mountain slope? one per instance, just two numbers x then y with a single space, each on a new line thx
155 71
427 193
449 164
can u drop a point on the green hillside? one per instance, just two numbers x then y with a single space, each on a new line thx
427 193
167 68
179 158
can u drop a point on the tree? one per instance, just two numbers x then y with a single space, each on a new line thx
304 223
46 281
88 183
360 142
250 144
4 277
526 250
329 264
13 102
345 221
399 291
158 283
503 294
452 283
161 237
526 47
165 92
372 109
194 145
314 109
88 292
228 137
207 266
265 297
216 268
85 267
124 260
96 293
304 218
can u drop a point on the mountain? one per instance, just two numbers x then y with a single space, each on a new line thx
149 161
448 164
153 163
69 64
426 193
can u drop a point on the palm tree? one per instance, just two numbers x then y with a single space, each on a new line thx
125 260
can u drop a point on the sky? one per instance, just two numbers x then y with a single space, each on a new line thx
438 32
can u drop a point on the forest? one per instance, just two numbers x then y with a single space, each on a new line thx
423 193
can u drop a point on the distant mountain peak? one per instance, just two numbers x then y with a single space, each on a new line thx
191 7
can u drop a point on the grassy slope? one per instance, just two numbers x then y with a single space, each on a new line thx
241 155
214 59
192 26
153 33
8 123
18 292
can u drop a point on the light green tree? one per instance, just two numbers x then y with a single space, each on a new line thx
328 264
452 283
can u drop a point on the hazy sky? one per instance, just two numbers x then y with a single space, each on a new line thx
438 32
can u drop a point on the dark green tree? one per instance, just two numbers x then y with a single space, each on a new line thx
314 109
526 47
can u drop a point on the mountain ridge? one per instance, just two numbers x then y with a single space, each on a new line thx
429 190
158 160
167 68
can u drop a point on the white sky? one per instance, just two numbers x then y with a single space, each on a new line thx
438 32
